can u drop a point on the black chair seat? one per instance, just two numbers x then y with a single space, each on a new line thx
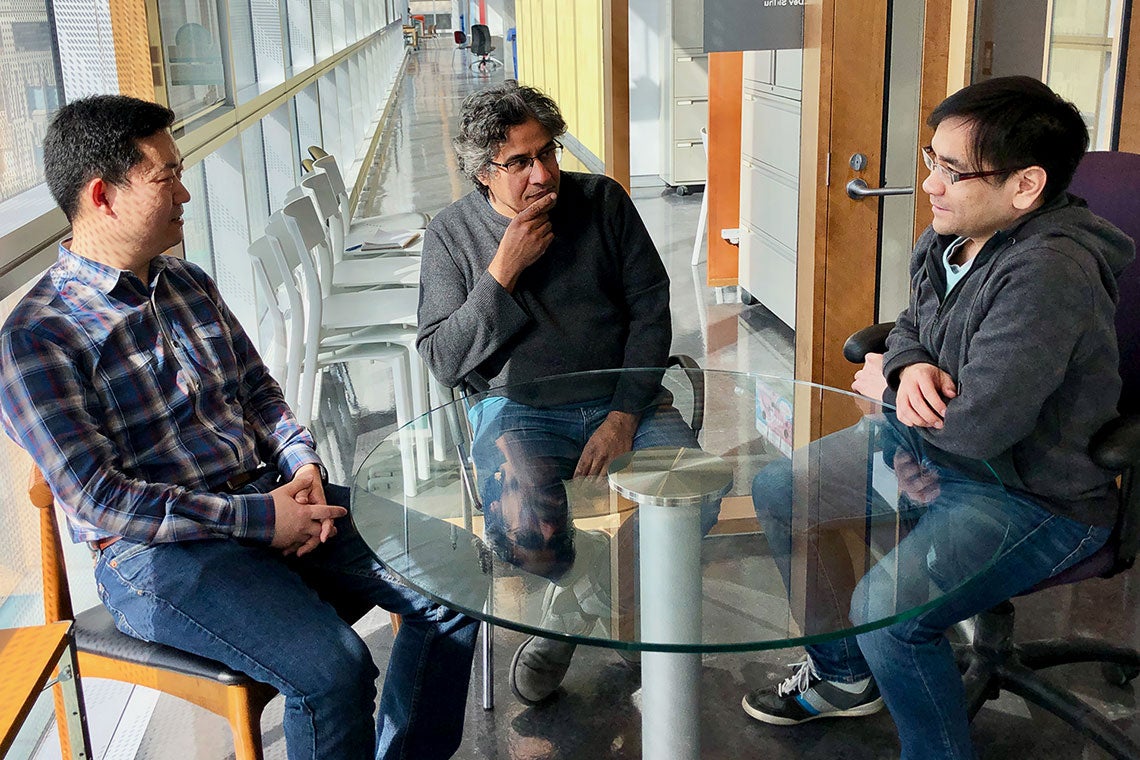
95 633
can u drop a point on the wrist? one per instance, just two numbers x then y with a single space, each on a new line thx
501 275
624 421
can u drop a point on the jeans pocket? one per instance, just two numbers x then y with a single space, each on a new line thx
129 561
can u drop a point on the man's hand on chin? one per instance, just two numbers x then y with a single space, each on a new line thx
613 438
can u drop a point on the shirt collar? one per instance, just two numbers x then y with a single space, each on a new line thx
72 266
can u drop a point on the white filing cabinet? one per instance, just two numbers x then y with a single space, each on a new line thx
769 178
684 94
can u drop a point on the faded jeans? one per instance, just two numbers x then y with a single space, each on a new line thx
972 523
284 621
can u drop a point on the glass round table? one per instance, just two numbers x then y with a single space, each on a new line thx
753 513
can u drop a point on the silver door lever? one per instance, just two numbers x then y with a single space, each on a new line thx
857 190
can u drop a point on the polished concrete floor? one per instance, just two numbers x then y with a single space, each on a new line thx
595 715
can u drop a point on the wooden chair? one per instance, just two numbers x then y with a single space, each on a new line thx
30 656
105 652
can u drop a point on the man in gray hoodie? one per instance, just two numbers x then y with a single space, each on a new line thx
539 272
1005 353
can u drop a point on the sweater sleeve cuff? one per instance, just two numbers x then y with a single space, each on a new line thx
254 517
894 363
490 297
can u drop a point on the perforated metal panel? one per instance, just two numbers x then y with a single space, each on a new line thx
86 48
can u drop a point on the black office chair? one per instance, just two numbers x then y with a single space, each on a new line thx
482 48
992 661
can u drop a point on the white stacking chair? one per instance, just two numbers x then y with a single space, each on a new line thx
279 325
361 226
338 321
280 302
398 270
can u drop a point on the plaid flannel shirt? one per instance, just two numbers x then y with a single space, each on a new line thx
137 402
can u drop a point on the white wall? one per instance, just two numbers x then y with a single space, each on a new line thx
646 20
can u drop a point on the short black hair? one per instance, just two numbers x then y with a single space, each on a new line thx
96 137
1019 122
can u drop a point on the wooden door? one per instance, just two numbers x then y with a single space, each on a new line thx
844 107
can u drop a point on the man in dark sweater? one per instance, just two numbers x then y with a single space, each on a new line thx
534 273
1006 354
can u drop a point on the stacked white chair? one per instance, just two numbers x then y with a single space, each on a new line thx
280 307
386 270
338 322
356 231
380 269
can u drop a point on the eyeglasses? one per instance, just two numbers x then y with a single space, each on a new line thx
951 176
549 157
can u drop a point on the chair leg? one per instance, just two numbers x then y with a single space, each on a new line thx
488 637
61 721
977 681
1045 654
397 621
1076 713
702 222
244 716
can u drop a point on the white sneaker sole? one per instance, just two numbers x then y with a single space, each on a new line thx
855 712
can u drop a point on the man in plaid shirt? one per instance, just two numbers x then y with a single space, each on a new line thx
174 456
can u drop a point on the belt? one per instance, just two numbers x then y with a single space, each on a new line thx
103 543
241 480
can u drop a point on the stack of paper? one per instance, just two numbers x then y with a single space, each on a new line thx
382 240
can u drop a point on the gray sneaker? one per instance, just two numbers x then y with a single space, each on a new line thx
805 696
538 667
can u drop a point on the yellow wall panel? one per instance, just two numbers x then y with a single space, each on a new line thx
560 52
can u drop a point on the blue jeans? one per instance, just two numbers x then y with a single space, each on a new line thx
284 621
964 524
544 445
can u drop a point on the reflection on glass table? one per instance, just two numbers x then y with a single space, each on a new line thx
765 534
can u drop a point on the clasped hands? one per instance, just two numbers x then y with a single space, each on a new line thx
923 393
302 518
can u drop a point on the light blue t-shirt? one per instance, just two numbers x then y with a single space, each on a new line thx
954 272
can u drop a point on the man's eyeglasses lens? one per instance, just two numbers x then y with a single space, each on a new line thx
949 175
549 158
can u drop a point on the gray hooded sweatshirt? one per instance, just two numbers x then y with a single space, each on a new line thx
1028 338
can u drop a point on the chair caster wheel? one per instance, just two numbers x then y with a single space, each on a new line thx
683 190
1119 675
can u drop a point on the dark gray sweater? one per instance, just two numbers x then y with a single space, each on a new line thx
598 298
1028 337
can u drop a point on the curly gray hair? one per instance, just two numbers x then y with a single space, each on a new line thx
486 116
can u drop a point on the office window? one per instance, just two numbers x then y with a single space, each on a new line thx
300 27
30 93
337 23
344 115
191 38
330 116
307 115
1082 60
229 230
256 176
243 57
268 42
196 219
32 36
322 29
282 159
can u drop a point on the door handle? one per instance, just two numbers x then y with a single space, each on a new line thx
857 190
